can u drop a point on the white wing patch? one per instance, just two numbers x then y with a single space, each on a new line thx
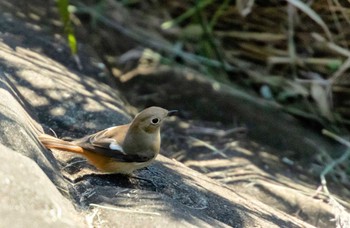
116 146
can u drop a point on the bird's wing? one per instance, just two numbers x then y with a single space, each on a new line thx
106 143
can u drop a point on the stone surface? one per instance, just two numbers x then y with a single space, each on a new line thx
29 198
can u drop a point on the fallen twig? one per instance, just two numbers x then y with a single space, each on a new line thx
123 210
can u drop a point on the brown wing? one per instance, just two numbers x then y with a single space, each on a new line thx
109 143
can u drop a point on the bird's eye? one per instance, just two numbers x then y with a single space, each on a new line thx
155 120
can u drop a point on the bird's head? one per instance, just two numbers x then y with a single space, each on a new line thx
151 119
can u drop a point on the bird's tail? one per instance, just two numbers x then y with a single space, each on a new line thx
51 142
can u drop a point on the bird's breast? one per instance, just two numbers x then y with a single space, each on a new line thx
125 167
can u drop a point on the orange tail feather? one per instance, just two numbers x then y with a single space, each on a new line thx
51 142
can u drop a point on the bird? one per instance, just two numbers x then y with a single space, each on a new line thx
120 149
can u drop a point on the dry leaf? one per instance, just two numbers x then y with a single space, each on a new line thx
244 7
319 94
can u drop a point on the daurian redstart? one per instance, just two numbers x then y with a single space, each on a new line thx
119 149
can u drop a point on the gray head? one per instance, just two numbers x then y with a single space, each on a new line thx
150 119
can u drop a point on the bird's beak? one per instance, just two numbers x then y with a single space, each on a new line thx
171 112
